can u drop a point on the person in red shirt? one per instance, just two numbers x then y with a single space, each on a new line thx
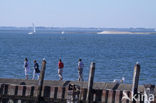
60 69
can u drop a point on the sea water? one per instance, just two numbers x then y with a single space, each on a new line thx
114 55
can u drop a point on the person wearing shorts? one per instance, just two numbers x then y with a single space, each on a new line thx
60 69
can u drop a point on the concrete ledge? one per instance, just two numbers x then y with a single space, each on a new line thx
25 90
97 85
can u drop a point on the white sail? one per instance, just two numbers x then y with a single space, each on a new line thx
34 29
62 32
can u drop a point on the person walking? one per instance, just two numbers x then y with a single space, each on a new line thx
26 68
80 70
36 70
60 69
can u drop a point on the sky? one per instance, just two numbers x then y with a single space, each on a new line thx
79 13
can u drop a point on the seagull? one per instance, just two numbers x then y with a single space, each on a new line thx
119 80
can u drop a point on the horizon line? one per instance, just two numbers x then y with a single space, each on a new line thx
76 27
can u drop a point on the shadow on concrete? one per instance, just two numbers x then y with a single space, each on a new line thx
22 83
116 86
66 83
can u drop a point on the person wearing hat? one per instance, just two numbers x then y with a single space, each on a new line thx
80 70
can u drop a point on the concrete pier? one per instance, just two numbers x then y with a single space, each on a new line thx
57 91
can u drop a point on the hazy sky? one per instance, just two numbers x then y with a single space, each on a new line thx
78 13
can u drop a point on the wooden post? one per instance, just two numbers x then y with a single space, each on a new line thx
40 81
136 75
90 83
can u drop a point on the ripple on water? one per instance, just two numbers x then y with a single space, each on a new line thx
115 55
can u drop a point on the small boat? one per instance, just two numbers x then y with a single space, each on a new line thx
62 32
34 30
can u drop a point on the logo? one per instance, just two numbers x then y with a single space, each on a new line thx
139 97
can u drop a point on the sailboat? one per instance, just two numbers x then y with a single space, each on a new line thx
62 32
34 30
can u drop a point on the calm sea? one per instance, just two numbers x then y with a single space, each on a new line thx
114 55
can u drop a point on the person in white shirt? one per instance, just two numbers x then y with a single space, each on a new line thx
80 70
26 68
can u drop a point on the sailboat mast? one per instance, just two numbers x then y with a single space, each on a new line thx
34 30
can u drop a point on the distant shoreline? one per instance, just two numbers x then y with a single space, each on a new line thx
124 32
82 31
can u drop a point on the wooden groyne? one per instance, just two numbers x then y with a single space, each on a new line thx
58 91
102 92
48 91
